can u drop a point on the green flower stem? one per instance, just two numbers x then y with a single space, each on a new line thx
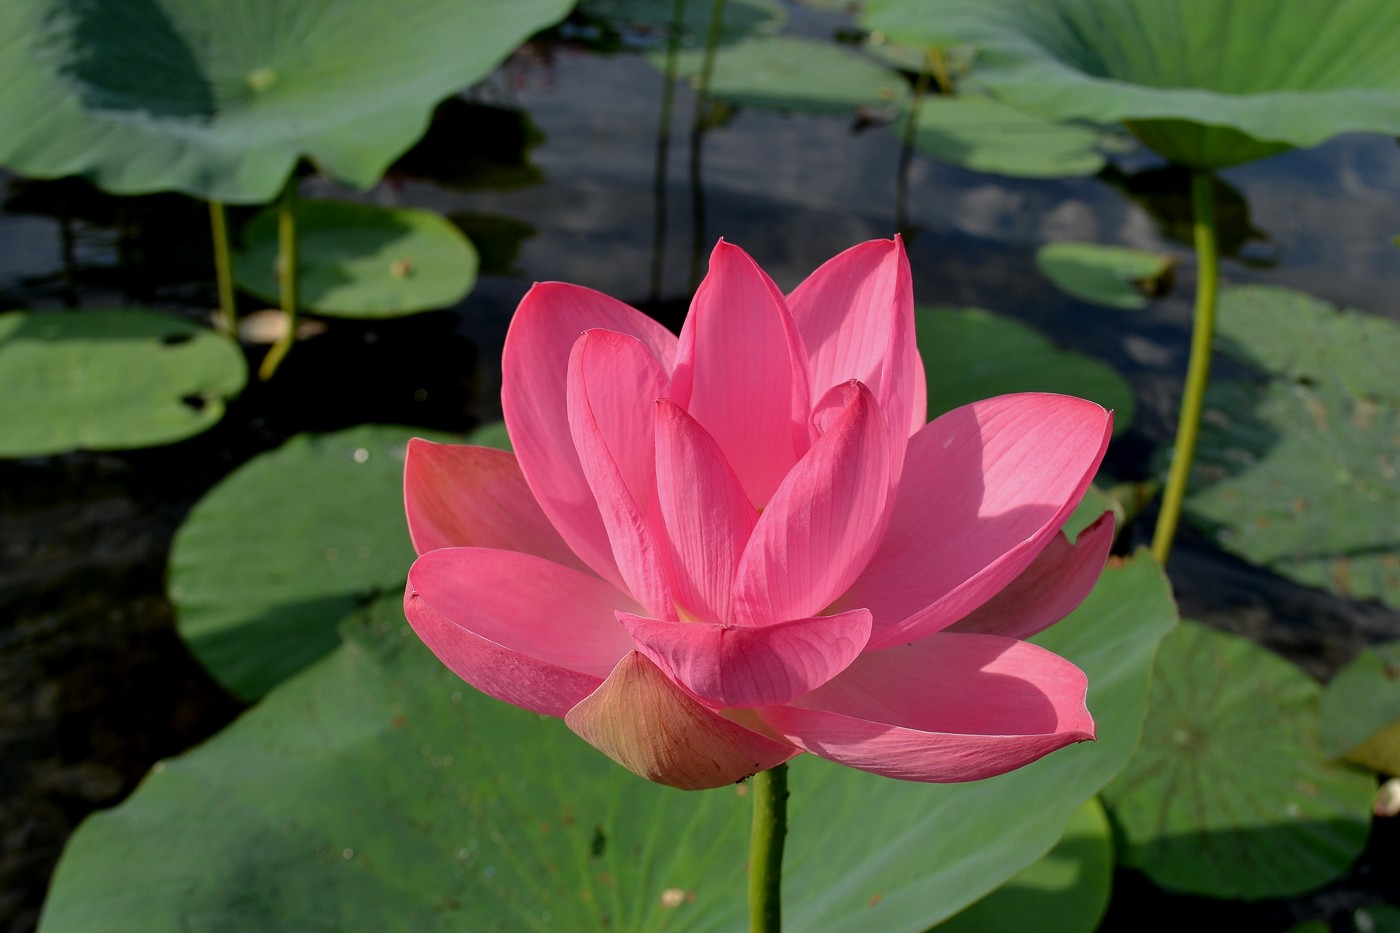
286 278
766 850
223 269
1198 370
697 138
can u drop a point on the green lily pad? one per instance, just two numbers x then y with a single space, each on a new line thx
220 100
985 135
1361 710
105 380
971 354
272 558
1290 333
375 791
792 73
1066 891
1113 276
1301 479
1229 794
359 260
1203 84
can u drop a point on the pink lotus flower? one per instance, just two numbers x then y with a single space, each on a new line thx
711 553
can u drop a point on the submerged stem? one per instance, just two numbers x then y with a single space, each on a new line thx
1198 370
223 270
286 278
766 850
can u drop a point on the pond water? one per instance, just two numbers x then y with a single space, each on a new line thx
94 684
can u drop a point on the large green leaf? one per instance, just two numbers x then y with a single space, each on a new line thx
979 133
792 73
1066 891
1204 83
110 379
971 354
375 791
271 559
1229 794
1115 276
359 260
219 100
1361 710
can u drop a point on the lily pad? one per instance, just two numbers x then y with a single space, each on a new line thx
1229 794
1301 479
971 354
1113 276
359 260
105 380
375 791
1361 710
1204 84
272 558
220 100
792 73
1290 333
985 135
1066 891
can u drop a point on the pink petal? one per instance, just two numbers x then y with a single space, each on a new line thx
741 372
612 391
707 515
823 523
517 627
954 707
1049 589
647 724
856 316
534 367
457 495
741 665
985 488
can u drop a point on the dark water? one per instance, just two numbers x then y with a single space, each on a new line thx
94 685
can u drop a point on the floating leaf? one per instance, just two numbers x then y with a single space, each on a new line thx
1113 276
972 354
220 100
105 380
1361 710
375 791
1203 84
1302 480
1066 891
791 73
358 260
1290 333
272 558
1229 794
985 135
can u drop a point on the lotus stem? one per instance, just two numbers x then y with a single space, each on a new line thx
906 144
663 148
286 278
223 270
770 795
697 135
1198 370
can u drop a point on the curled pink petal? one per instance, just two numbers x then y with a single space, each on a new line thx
612 391
741 371
1052 587
647 724
515 626
953 707
534 369
824 522
985 488
457 495
708 516
739 666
